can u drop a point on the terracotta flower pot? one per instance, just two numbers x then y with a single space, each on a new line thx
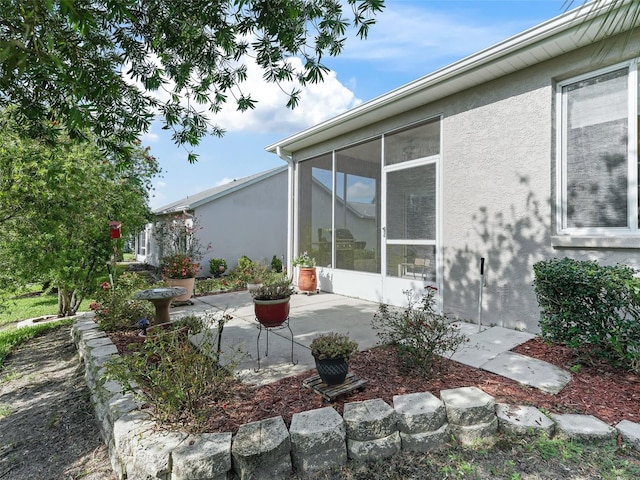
188 283
307 280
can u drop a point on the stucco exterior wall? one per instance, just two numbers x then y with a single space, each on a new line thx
498 185
251 221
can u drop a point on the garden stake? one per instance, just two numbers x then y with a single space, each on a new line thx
480 294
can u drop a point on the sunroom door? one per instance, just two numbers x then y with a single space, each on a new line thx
410 216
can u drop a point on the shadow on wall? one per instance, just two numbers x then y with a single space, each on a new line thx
511 242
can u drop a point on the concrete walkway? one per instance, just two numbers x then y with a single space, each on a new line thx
268 354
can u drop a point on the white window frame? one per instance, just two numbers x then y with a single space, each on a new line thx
632 157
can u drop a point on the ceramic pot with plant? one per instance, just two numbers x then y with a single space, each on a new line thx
332 353
271 300
179 270
307 279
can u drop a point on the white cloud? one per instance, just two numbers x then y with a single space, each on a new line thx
149 137
224 181
318 102
361 191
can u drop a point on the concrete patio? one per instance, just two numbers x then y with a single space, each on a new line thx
311 315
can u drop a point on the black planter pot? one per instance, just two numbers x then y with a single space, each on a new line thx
332 371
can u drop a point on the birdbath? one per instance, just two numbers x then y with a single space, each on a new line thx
161 298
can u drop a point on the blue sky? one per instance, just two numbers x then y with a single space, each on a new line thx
412 38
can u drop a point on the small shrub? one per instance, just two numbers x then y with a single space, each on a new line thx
276 264
116 309
586 305
183 384
420 335
216 285
333 345
248 271
215 264
276 286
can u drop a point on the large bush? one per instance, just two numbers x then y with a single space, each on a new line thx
586 305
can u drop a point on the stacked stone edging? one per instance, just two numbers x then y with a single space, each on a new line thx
317 439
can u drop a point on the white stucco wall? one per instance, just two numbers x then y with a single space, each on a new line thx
251 221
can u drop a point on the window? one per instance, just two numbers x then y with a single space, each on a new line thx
598 168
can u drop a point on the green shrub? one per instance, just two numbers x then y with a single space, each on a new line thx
183 384
215 264
116 309
248 271
276 264
420 335
216 285
586 305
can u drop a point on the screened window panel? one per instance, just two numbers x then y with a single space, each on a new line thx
596 145
411 203
357 207
412 262
314 197
412 143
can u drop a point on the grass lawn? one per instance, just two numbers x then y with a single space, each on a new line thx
13 337
29 304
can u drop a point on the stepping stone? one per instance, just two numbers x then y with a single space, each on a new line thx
630 432
523 420
484 346
529 371
586 428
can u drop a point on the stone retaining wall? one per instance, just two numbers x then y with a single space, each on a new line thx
316 440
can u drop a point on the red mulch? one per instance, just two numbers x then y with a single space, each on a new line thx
597 389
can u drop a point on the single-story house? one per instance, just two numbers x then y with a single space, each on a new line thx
524 151
245 217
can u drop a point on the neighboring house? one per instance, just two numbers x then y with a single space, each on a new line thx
524 151
244 217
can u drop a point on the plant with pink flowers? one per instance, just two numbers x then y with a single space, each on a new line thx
179 265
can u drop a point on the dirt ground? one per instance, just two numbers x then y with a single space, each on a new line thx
47 425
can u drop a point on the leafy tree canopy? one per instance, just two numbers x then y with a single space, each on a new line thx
109 66
55 207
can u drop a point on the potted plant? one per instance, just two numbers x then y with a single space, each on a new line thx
217 266
179 270
332 352
307 279
271 300
254 274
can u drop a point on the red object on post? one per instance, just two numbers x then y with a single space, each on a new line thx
114 229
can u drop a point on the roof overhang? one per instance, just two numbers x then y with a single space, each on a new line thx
575 29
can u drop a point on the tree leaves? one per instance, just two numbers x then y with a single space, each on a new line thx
63 60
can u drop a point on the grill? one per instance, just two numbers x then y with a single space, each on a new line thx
345 244
344 239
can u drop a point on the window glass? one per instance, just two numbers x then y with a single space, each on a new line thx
412 143
357 207
314 196
596 136
411 203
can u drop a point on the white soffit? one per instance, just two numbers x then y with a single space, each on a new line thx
570 31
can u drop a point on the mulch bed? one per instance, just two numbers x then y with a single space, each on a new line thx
610 394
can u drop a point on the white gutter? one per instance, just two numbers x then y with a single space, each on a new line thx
290 198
